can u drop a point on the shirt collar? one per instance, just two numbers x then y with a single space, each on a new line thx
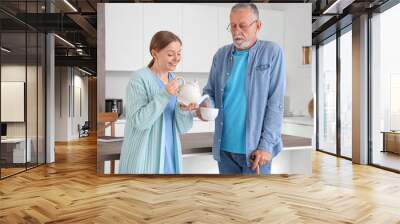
251 49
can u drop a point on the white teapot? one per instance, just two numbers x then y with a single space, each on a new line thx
189 92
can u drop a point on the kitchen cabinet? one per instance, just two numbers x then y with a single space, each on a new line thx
157 17
292 160
273 26
199 36
200 126
224 36
201 27
298 126
123 40
119 129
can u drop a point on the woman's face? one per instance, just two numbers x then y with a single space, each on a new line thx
168 57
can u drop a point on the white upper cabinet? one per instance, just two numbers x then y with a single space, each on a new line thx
273 26
157 17
199 36
123 37
224 36
201 27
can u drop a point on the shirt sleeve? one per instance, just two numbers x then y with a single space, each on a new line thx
272 124
209 89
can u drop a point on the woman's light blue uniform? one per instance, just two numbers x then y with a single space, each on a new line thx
169 116
146 129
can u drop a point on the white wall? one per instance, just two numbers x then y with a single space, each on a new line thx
61 103
66 121
15 72
298 34
33 126
79 117
116 84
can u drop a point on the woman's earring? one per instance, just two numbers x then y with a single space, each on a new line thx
158 64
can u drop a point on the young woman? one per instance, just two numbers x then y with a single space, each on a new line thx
154 119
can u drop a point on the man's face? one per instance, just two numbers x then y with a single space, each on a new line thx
244 27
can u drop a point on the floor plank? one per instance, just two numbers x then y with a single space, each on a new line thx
69 191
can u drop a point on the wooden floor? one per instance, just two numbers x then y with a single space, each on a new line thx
69 191
5 172
10 171
386 159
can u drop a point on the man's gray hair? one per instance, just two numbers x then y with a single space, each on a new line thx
251 6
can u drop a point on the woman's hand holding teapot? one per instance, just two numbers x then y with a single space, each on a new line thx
190 107
172 87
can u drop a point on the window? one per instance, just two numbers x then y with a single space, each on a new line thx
327 97
23 77
346 94
385 89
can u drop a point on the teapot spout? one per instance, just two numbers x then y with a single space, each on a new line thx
204 97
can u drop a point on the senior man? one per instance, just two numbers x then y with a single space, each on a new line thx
247 84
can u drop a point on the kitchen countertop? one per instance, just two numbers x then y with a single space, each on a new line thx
301 120
194 141
123 120
188 141
295 119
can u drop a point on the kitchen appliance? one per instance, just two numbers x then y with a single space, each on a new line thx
3 130
114 105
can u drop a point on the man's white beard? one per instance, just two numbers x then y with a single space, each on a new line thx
244 45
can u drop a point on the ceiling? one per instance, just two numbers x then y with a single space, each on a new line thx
76 22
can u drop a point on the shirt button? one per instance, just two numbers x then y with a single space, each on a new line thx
227 73
222 123
222 89
219 140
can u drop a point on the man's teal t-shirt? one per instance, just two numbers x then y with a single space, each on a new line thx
234 126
